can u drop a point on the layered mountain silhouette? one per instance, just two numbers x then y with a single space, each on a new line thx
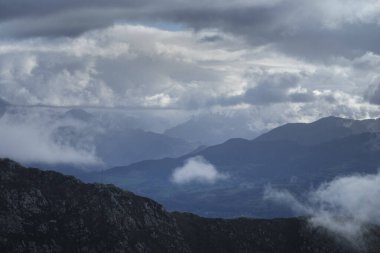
119 142
3 106
329 147
210 129
44 211
112 138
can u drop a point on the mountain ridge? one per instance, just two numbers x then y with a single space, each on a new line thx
322 130
45 211
250 165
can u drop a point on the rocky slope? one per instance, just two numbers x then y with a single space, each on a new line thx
205 235
48 212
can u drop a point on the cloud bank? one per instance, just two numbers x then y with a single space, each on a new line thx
344 205
30 139
276 60
198 170
137 66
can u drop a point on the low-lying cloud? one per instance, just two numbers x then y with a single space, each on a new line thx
30 139
344 205
197 169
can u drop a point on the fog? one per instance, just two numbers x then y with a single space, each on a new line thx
345 205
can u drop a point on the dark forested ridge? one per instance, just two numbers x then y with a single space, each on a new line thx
42 211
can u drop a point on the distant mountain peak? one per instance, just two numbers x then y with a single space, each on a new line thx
79 114
3 106
322 130
3 102
332 120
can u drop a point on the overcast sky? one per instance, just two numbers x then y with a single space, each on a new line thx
281 60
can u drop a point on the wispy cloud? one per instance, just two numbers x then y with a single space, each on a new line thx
30 139
345 205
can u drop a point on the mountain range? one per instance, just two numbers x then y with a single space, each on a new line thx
211 129
119 143
97 138
3 107
295 157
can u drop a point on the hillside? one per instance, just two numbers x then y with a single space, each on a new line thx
48 212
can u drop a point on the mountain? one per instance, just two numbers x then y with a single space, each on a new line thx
116 141
3 106
44 211
134 145
322 130
48 212
79 114
116 146
205 235
249 166
73 140
211 129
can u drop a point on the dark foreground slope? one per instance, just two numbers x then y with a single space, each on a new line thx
290 235
48 212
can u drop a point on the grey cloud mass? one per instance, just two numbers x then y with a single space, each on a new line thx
373 94
303 28
276 60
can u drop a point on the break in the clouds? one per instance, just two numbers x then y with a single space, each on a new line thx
311 59
345 205
197 170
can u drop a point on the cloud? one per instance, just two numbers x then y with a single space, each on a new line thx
345 205
191 57
373 94
123 65
310 29
313 30
197 169
275 88
29 138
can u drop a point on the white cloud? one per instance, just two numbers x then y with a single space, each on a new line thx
145 67
197 169
344 205
123 65
28 138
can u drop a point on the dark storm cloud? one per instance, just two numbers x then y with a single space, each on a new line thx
349 41
27 8
305 36
306 29
273 89
189 54
50 18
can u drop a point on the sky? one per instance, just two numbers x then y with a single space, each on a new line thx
274 60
